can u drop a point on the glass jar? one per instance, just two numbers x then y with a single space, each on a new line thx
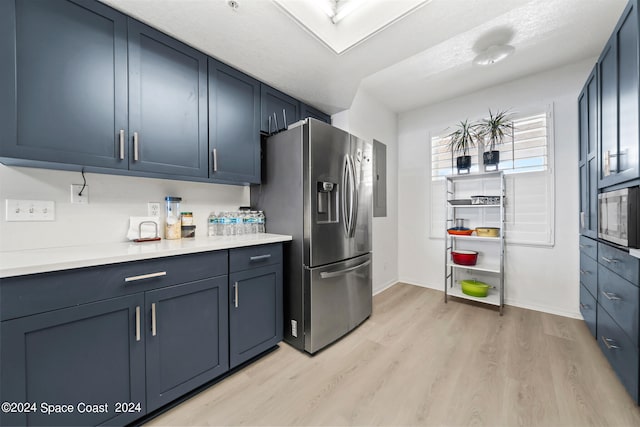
186 218
173 225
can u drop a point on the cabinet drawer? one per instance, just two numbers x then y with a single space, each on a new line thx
37 293
588 247
254 256
621 299
619 350
588 309
619 261
589 273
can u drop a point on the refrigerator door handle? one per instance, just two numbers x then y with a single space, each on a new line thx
330 274
354 198
346 218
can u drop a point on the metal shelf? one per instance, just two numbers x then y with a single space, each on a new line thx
493 297
493 263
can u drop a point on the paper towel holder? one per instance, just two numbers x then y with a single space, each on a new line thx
147 239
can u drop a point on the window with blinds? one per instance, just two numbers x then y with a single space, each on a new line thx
525 151
526 158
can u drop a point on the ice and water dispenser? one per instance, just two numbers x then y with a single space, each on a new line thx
327 206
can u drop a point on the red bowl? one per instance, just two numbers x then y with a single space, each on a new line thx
464 257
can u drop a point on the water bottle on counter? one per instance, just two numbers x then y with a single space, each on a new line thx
261 220
212 225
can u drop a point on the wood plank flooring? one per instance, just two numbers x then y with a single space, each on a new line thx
419 361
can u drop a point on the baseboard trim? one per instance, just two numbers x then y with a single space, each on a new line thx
513 303
385 287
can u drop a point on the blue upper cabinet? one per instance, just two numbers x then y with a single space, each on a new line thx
234 125
309 111
619 121
587 165
168 104
63 82
277 110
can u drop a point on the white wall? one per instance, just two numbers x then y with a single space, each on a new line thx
369 119
112 200
544 279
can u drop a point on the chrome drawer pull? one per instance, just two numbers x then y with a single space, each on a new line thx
610 260
611 296
138 323
154 329
583 246
259 257
236 294
330 274
584 306
584 271
145 276
609 343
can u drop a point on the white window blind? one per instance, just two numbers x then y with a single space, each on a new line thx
527 161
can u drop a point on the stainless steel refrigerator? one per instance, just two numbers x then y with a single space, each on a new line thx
317 186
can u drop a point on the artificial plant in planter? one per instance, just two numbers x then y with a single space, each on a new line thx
493 130
460 141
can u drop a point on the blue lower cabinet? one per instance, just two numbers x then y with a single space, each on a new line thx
186 338
588 309
255 312
620 351
91 354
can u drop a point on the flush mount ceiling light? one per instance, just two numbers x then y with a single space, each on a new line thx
493 54
337 10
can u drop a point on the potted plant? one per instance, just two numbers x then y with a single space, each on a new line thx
461 140
493 130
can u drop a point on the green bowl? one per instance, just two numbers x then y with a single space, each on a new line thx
474 288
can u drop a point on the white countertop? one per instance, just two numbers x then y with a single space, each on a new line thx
18 263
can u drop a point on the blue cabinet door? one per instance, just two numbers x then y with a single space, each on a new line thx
186 337
587 165
91 353
309 111
63 82
618 76
234 125
277 110
167 104
255 312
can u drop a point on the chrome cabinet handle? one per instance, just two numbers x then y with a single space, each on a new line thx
153 320
611 296
235 286
584 306
137 323
260 257
145 276
214 153
583 246
609 260
121 144
329 274
609 343
135 146
584 272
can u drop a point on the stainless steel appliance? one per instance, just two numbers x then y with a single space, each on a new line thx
618 216
317 186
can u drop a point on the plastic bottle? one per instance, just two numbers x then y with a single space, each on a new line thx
261 222
212 224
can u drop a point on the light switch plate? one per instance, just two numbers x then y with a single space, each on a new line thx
30 210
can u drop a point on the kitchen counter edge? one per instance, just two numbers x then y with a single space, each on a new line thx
33 261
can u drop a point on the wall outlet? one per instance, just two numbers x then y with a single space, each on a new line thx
30 210
76 197
153 209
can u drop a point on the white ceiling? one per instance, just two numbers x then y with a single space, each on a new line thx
423 58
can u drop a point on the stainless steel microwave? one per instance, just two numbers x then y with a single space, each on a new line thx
618 217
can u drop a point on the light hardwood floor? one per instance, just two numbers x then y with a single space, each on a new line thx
419 361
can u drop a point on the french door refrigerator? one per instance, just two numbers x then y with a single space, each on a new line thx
317 187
